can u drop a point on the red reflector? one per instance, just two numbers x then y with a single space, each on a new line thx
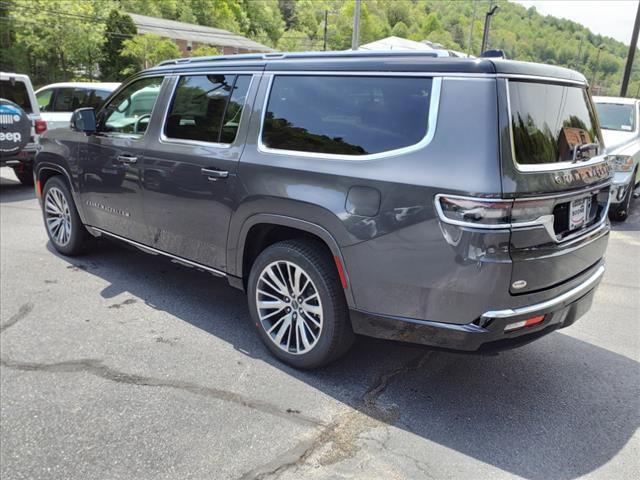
343 277
40 126
38 189
524 323
533 320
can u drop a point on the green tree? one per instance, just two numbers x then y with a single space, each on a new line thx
118 28
148 50
205 51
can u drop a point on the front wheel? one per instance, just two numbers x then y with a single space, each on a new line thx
297 304
620 212
64 227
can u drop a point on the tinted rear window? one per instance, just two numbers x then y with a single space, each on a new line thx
17 93
615 116
549 122
346 115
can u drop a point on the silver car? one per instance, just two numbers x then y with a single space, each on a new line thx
620 124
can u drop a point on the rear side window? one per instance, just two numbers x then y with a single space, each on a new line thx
70 99
17 93
551 123
207 108
349 115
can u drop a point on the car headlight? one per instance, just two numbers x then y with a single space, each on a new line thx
620 163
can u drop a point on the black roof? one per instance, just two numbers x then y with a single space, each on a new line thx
405 61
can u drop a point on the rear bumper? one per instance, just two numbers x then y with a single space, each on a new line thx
24 156
487 333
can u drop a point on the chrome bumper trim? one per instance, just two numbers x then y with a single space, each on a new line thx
567 296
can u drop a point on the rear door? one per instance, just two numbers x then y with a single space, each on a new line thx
555 170
190 168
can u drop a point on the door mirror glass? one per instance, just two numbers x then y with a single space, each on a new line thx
84 120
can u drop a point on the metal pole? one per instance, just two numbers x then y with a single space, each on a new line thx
473 21
595 67
487 25
324 43
632 52
355 39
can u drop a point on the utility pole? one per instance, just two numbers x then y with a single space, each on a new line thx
632 52
355 39
595 67
487 25
473 21
326 18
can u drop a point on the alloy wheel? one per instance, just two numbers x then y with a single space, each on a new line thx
57 216
289 307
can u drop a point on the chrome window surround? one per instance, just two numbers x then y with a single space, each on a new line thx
546 167
434 102
112 96
183 141
545 221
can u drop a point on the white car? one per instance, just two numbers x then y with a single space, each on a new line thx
17 88
59 100
620 124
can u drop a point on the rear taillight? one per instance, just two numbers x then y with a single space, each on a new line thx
40 126
492 213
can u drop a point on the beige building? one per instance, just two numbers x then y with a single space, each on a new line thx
189 36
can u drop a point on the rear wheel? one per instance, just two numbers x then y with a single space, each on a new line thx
297 304
64 227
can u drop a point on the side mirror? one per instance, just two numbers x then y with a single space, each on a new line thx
84 120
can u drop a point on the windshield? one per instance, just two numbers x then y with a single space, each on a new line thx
616 116
16 92
551 123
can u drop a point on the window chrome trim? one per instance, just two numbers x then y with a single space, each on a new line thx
538 78
200 143
544 167
436 87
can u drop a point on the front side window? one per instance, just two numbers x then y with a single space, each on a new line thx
207 108
551 123
616 116
130 110
349 115
44 99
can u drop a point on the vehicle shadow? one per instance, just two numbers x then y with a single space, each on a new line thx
557 408
13 191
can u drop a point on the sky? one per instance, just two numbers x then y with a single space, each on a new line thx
613 18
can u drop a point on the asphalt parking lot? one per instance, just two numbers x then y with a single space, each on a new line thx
122 365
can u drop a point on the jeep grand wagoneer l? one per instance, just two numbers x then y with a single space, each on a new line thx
457 203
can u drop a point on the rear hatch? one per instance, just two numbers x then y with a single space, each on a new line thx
555 171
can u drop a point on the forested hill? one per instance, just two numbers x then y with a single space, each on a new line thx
63 39
522 33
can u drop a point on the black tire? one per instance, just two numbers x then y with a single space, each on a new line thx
79 239
335 336
24 174
620 212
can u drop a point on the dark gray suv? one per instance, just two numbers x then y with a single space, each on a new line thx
456 203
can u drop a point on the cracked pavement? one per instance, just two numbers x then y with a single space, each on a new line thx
122 365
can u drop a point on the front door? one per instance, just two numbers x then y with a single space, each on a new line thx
110 160
189 172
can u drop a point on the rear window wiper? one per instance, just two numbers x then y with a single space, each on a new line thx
578 151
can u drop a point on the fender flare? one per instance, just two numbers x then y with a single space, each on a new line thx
235 266
44 165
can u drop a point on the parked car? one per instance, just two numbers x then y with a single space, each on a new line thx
59 100
457 203
17 88
620 124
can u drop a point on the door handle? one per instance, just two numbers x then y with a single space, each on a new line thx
126 159
214 174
